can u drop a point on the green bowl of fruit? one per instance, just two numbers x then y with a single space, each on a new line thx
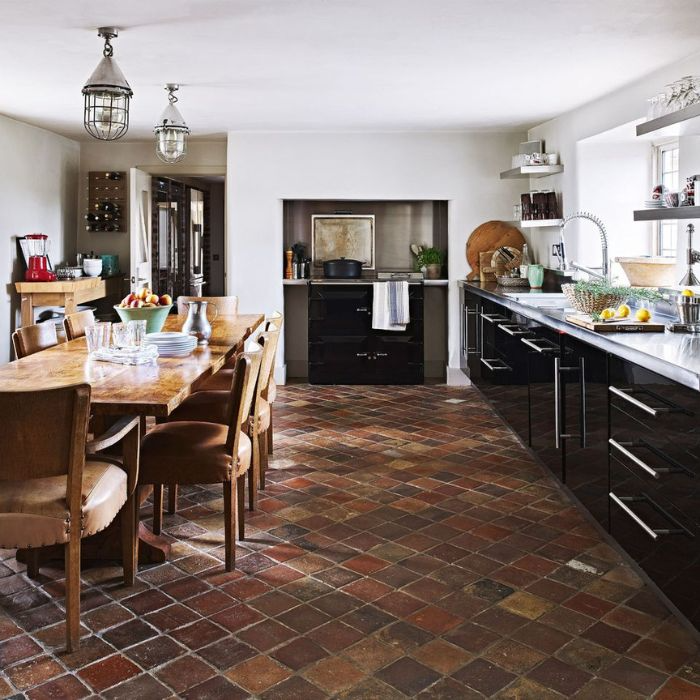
145 305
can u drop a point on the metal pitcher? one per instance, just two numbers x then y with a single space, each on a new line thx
197 323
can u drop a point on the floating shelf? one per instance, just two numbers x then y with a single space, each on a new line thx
667 213
672 124
531 171
539 223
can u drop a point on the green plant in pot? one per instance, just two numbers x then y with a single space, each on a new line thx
428 260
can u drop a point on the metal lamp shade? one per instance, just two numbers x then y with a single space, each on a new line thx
171 135
107 95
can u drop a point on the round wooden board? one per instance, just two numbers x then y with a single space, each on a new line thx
490 236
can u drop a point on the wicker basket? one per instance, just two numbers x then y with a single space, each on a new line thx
512 281
588 303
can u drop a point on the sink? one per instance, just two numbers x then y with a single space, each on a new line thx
554 300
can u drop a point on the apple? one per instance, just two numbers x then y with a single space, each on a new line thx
143 293
136 304
152 299
149 305
165 300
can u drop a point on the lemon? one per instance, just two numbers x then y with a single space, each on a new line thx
643 315
607 314
623 311
688 293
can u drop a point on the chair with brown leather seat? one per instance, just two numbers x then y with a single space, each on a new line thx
270 392
210 407
75 324
225 306
52 494
30 339
189 452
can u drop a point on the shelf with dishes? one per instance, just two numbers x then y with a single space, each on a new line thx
675 111
534 171
667 213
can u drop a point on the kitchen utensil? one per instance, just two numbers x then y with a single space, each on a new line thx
535 276
342 268
197 324
153 315
649 271
688 309
505 259
490 236
171 343
92 267
487 273
619 326
506 281
66 272
38 258
110 265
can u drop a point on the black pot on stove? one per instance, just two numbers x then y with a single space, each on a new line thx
342 268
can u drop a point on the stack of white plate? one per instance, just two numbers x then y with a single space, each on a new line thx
172 344
654 204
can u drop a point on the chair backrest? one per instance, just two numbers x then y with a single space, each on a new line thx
225 306
271 339
236 404
75 324
44 432
30 339
255 354
276 318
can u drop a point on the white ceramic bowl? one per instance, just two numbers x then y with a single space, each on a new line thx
92 266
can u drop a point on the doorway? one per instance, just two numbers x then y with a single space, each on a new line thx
187 235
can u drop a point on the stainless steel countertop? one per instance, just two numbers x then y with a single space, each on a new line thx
672 355
361 280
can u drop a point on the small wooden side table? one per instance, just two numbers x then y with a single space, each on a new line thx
68 293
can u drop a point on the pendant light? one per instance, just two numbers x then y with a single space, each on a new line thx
107 95
171 130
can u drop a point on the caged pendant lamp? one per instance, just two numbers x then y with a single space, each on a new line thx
107 95
171 130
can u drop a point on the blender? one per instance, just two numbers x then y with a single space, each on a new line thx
38 262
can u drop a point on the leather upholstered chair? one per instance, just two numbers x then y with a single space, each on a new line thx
210 407
75 324
51 493
225 306
30 339
189 452
270 392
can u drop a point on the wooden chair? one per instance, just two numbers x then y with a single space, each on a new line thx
52 494
211 407
270 392
225 306
189 452
30 339
75 324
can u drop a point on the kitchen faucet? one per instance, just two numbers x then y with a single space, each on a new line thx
604 273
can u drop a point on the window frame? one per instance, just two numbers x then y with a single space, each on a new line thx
657 150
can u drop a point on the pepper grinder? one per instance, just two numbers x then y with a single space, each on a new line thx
690 280
288 271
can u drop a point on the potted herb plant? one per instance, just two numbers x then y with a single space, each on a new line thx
428 260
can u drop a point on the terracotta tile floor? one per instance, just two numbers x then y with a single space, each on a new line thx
406 546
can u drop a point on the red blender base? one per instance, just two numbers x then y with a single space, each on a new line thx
37 270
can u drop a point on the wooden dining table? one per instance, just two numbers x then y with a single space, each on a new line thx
130 390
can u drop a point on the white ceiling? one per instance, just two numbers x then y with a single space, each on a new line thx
338 64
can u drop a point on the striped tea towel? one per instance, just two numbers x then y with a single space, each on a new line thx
390 306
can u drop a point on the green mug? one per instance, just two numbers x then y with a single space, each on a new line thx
535 276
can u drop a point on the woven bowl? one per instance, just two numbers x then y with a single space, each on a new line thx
512 281
589 303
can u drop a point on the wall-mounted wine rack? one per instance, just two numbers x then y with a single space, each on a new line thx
107 202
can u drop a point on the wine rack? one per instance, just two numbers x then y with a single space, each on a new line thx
107 202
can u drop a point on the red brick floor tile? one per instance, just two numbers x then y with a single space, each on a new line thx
299 653
557 675
335 635
442 656
63 687
484 676
334 675
678 689
32 673
371 654
365 564
434 619
408 676
155 652
367 589
294 688
184 673
659 656
107 672
217 688
258 674
634 676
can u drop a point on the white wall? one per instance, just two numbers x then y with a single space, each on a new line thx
38 194
565 132
266 168
203 158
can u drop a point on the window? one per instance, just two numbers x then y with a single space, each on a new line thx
666 173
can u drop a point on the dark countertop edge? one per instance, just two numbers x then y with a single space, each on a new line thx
362 280
611 343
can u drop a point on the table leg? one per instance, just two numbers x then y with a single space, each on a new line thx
27 310
69 303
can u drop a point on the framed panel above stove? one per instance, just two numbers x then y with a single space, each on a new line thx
348 236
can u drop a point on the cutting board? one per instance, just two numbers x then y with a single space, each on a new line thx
490 236
627 326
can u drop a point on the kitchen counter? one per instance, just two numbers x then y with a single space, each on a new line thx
361 280
672 355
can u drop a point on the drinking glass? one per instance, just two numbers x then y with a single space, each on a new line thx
137 331
673 100
661 107
121 335
97 336
653 108
691 94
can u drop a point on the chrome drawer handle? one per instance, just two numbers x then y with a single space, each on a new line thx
496 368
493 318
627 395
632 457
541 349
381 354
362 309
654 533
361 354
513 329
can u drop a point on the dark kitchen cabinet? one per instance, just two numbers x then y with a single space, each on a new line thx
654 470
345 349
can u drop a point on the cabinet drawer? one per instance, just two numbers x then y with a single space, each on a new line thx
339 350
